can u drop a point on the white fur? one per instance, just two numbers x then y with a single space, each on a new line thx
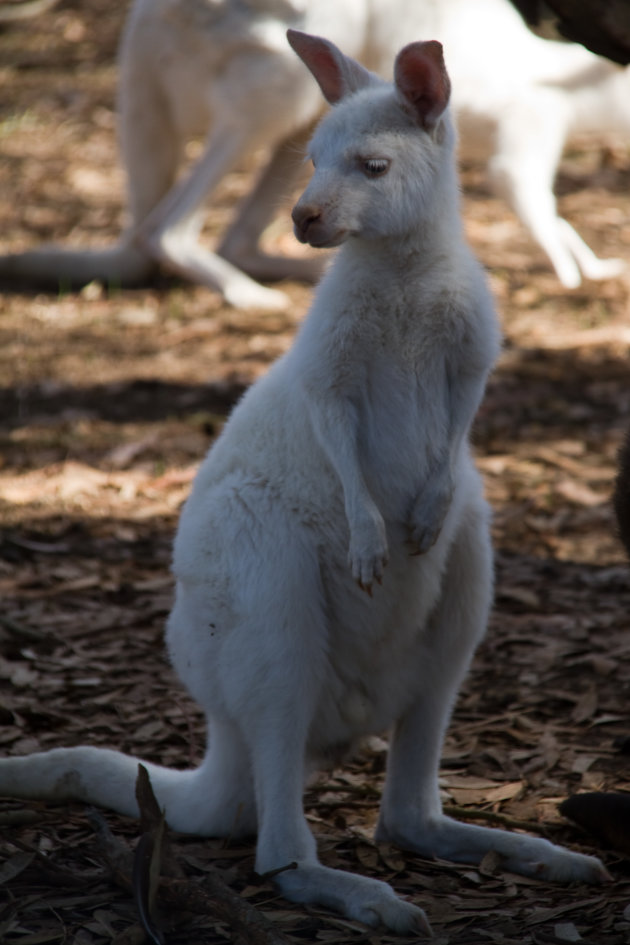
521 97
222 69
333 561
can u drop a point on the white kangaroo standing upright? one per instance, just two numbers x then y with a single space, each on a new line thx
333 561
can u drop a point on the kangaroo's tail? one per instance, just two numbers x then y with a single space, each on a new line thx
216 799
102 777
121 266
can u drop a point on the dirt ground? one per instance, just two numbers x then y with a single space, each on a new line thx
107 402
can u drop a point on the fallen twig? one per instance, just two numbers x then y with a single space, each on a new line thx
213 898
21 818
20 631
149 859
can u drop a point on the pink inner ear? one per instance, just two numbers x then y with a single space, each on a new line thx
319 57
421 77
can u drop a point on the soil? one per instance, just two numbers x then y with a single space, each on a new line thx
108 400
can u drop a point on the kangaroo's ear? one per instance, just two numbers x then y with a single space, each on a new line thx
336 74
422 81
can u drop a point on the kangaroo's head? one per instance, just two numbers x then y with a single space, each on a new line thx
383 156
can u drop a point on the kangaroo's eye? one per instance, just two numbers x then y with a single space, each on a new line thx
374 167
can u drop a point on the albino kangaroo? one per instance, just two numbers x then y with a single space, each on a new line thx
222 68
333 561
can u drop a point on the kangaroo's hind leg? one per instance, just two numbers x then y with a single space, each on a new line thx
271 677
411 811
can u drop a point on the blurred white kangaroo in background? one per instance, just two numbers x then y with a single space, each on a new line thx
522 96
333 561
221 68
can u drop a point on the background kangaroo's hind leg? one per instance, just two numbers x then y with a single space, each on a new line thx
524 170
151 144
171 230
241 243
151 150
591 265
256 101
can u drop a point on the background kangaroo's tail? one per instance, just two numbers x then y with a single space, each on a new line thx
123 265
25 10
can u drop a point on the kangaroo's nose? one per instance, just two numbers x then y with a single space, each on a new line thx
304 216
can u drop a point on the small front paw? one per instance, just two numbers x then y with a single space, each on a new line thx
426 520
368 554
422 537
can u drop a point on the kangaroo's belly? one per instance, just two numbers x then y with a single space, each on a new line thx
378 653
267 609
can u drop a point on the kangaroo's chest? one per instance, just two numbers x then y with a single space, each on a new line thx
403 421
